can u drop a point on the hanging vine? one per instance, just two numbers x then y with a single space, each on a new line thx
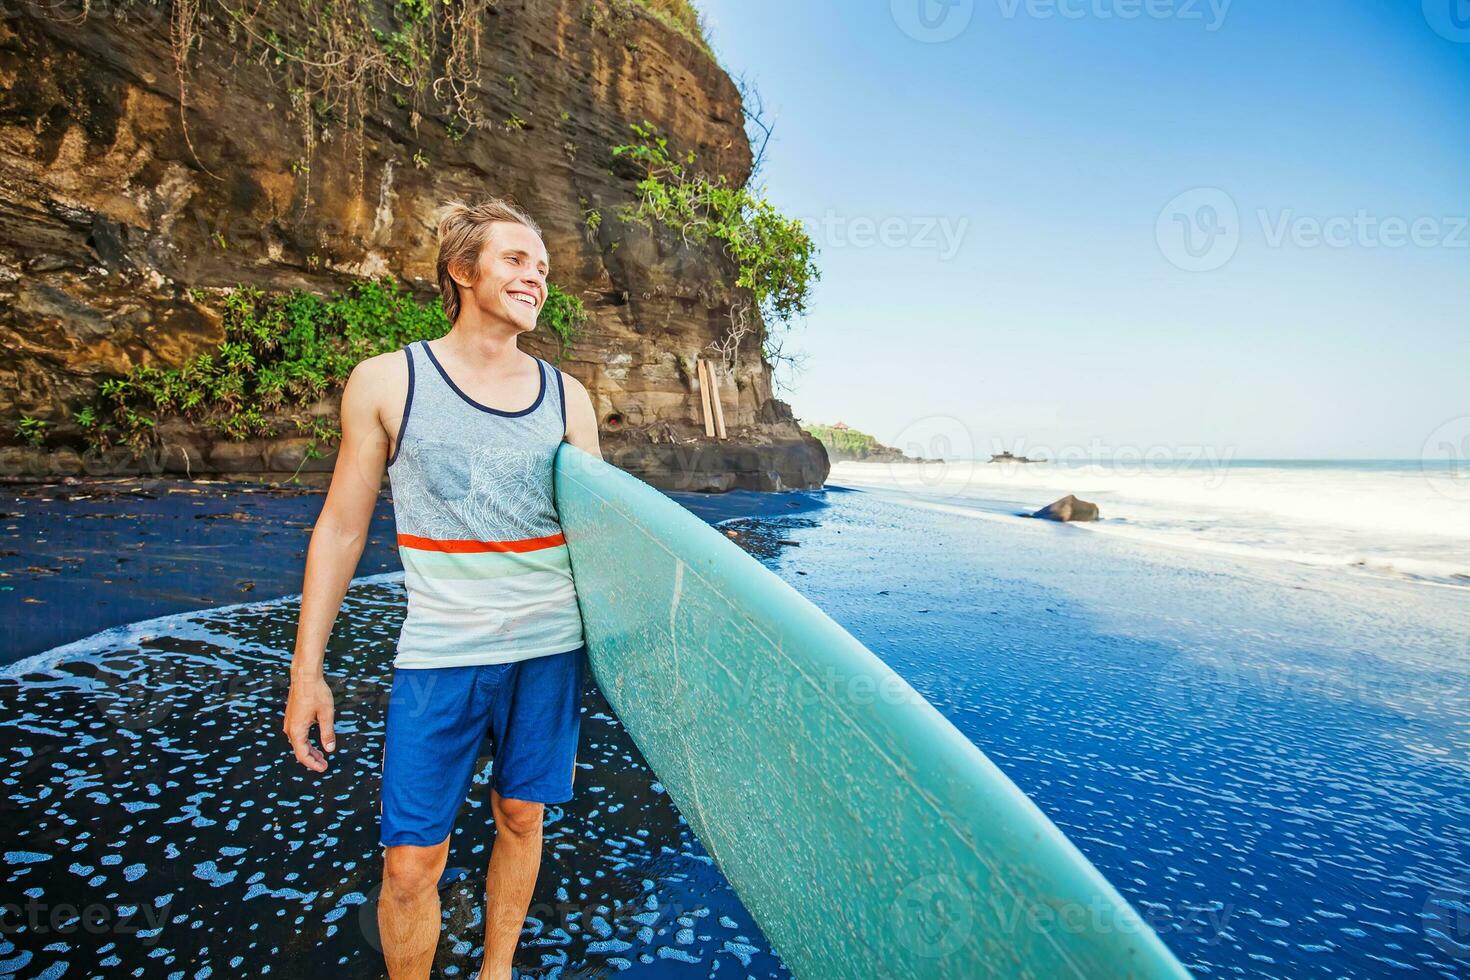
342 56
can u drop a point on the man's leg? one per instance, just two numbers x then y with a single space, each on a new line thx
535 723
515 861
408 908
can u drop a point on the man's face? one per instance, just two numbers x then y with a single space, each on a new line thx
511 285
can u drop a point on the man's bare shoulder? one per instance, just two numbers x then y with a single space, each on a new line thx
381 380
572 384
386 365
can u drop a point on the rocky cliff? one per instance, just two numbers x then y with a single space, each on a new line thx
141 176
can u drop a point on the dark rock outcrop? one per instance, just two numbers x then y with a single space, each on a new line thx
118 228
1069 508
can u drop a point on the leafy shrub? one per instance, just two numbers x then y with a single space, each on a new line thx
32 431
774 253
281 353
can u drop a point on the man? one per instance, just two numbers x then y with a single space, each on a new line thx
466 427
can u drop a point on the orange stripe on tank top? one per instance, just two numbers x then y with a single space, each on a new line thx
466 547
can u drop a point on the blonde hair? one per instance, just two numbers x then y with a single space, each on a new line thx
464 231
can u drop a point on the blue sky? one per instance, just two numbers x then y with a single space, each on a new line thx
1130 225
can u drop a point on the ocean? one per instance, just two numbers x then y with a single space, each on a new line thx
1400 518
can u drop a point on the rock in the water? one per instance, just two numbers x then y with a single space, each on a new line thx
1069 508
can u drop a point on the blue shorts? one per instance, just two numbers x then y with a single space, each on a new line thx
439 716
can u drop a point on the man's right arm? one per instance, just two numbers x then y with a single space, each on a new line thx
337 542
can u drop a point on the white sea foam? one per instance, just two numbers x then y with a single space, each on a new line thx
184 624
1378 517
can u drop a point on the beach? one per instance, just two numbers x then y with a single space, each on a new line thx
155 820
1265 756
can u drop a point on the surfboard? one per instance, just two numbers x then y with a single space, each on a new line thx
863 831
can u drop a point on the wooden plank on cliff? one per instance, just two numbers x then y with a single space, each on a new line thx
714 395
706 408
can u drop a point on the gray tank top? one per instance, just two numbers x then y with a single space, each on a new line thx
484 560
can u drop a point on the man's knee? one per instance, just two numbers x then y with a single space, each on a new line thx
410 870
519 817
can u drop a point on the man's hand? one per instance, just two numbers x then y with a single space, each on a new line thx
310 703
336 544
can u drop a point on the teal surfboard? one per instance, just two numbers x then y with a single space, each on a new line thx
866 835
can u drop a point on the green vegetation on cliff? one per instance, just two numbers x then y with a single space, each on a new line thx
845 443
282 352
775 255
678 16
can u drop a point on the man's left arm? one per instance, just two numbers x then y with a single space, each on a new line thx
581 417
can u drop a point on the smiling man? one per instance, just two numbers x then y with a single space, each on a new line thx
467 427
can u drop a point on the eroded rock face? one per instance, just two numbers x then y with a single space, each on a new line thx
111 214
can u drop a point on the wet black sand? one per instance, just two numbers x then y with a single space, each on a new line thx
155 824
